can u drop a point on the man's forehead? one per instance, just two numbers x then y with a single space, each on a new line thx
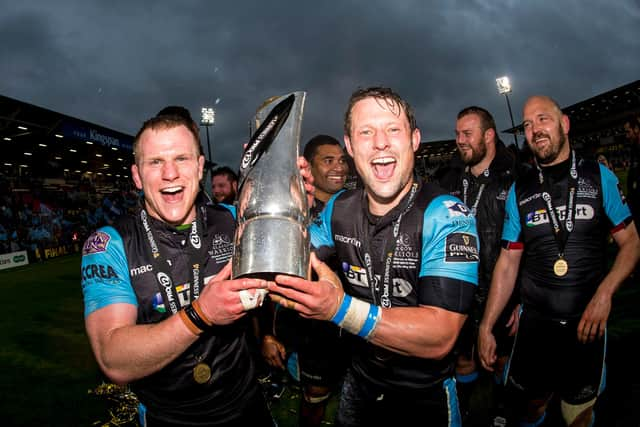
221 177
468 121
382 104
329 150
538 106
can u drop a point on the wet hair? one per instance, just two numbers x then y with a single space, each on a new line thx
165 122
176 110
486 119
384 96
225 171
311 147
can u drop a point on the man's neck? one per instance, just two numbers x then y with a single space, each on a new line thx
478 168
562 156
323 196
380 207
483 164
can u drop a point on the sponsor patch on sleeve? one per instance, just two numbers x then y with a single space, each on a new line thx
461 247
456 208
96 243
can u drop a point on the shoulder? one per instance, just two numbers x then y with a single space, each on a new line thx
219 213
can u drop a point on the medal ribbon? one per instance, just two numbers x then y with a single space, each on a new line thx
561 236
195 250
385 299
465 190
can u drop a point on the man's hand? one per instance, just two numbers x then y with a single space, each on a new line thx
316 300
594 319
307 177
223 301
273 352
487 348
514 321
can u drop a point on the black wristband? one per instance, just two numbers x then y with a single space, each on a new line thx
195 318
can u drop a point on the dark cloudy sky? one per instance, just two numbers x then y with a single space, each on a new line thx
116 63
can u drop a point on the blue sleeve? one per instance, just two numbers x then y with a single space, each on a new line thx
105 271
450 244
320 228
614 202
511 227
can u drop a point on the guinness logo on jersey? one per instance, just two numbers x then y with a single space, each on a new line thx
461 247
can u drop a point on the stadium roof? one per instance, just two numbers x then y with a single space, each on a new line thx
600 118
40 143
594 121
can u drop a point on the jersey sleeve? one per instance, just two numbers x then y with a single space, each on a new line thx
320 228
615 205
512 227
105 272
450 244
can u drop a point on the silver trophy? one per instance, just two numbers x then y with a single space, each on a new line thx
272 212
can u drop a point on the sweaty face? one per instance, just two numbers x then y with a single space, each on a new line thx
223 189
329 169
470 140
168 169
382 146
546 130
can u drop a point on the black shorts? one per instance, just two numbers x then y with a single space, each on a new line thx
548 358
322 355
468 338
364 404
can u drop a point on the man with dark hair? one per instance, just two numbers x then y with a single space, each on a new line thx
481 177
329 168
320 355
410 256
224 183
558 218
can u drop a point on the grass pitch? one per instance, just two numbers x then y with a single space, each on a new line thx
47 368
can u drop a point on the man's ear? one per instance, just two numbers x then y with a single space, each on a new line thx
200 167
415 139
347 145
565 123
135 174
490 135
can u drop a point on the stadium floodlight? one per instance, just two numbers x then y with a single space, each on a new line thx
504 85
207 120
208 116
504 88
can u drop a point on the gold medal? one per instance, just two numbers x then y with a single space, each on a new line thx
560 267
201 373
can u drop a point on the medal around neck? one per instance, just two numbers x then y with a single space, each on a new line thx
272 213
201 373
560 267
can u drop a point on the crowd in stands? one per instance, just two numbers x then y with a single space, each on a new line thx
33 219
